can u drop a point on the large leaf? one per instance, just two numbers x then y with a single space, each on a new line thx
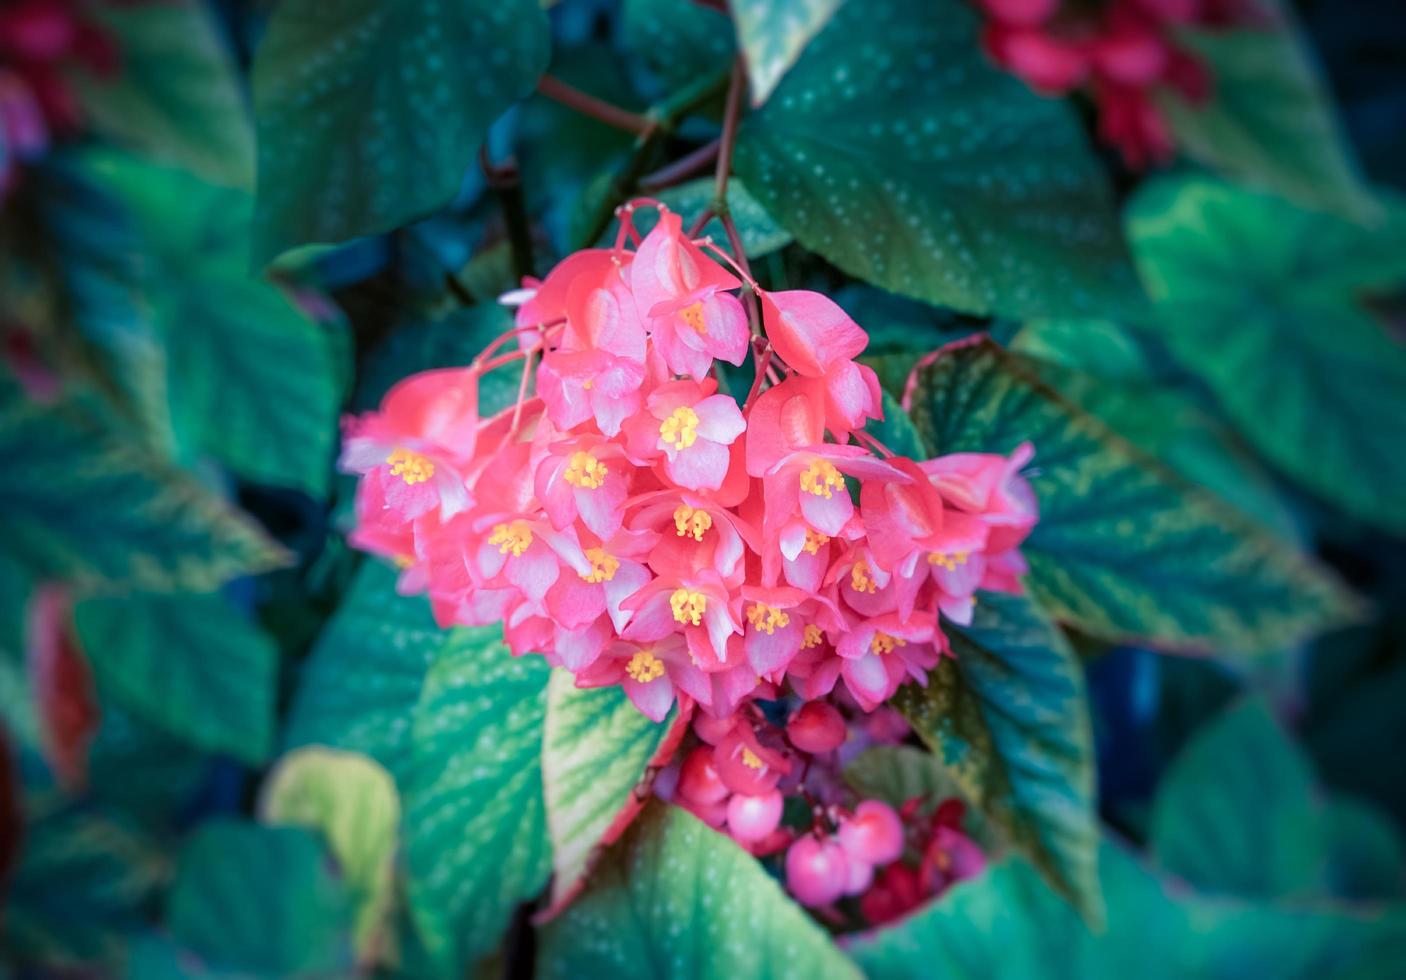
1007 925
1009 717
475 828
675 899
773 33
681 41
190 664
1271 120
369 113
178 96
84 882
252 378
261 900
599 756
1263 302
364 677
83 501
353 802
1125 548
898 153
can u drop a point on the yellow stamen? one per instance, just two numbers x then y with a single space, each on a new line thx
750 759
585 471
813 637
884 643
403 561
950 562
410 467
515 537
767 618
693 316
603 566
815 541
821 477
860 580
688 606
688 520
680 429
588 384
645 667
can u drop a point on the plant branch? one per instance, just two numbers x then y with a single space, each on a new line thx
732 114
587 104
506 181
682 168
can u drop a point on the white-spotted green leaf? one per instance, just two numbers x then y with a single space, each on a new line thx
896 151
596 755
772 34
369 113
1125 548
676 899
1009 718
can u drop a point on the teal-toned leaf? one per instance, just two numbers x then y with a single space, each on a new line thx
1009 718
675 899
1125 548
140 770
369 113
772 34
353 802
365 674
193 665
177 97
1366 854
1007 925
476 840
1264 304
261 900
680 41
251 378
760 233
1236 814
896 430
597 754
83 501
84 881
895 151
1270 121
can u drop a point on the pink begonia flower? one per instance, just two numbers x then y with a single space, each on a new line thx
882 652
546 302
415 446
990 486
578 386
692 428
651 674
698 607
682 294
616 571
695 533
584 477
819 340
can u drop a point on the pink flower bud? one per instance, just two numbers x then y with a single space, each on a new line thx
817 871
816 727
698 779
752 818
874 834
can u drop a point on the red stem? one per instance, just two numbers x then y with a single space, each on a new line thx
587 104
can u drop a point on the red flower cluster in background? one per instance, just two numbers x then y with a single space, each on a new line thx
636 525
1122 53
41 41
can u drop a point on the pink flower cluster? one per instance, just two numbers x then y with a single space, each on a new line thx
1122 53
635 525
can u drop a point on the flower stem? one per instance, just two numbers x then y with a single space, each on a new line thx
587 104
682 168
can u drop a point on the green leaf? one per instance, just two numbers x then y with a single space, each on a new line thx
1125 549
1271 120
353 802
681 41
83 502
676 899
1235 813
895 151
252 379
84 881
896 430
598 760
476 839
760 233
1007 924
369 113
1263 303
192 664
1366 855
772 34
364 676
177 97
261 900
1009 718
